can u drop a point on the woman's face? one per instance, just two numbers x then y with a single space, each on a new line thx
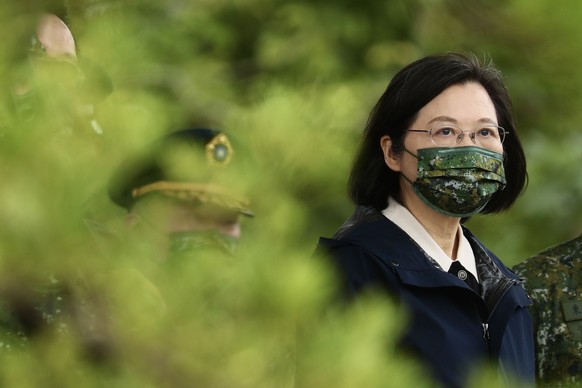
467 106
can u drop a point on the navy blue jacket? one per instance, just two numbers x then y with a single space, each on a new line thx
452 328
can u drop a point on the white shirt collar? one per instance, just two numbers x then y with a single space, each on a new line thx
400 215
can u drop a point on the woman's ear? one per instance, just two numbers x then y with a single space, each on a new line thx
390 158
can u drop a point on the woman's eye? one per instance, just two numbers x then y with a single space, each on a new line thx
486 132
445 131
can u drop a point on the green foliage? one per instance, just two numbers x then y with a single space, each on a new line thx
295 82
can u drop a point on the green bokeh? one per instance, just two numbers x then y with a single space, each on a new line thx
295 82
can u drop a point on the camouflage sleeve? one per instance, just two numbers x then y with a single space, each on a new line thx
553 278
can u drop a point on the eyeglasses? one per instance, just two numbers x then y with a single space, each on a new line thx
446 135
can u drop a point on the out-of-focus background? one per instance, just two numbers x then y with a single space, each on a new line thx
298 79
294 81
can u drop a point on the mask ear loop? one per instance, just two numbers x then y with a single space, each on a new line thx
406 179
416 156
404 176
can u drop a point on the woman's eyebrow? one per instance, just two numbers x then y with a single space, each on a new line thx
484 120
442 118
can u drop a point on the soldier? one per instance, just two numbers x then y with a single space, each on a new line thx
50 73
554 280
181 193
182 199
56 83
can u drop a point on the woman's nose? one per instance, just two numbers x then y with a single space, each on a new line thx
466 138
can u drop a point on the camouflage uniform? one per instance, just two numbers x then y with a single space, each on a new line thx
554 280
27 311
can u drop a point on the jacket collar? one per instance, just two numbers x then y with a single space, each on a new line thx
373 232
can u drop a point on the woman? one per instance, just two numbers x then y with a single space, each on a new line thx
440 145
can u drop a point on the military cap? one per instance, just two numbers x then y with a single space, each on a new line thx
197 165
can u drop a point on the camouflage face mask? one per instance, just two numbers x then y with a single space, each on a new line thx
458 181
196 241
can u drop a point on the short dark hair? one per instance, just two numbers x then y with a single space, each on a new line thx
371 182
